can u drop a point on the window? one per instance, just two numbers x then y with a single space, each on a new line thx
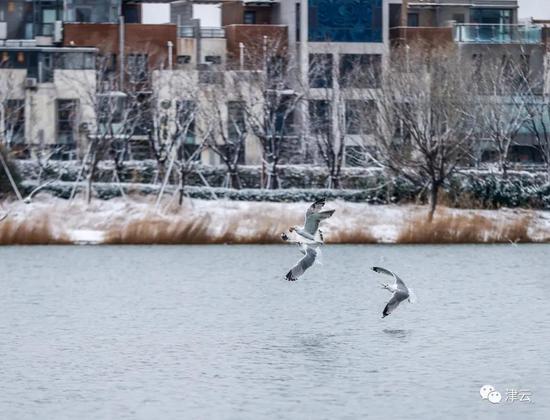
283 107
14 121
491 16
137 67
360 116
75 61
249 17
236 130
360 70
66 121
320 70
213 59
207 77
345 20
236 127
459 18
111 108
319 116
106 65
185 115
413 19
105 11
183 59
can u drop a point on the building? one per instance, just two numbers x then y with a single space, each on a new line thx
485 34
49 53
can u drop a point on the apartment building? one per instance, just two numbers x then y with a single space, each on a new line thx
50 52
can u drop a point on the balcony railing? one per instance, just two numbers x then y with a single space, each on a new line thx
187 31
497 34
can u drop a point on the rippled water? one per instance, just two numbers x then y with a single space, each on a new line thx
212 332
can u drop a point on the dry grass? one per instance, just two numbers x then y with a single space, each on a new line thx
449 228
38 232
198 230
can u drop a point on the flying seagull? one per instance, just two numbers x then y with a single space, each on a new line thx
310 253
398 288
314 215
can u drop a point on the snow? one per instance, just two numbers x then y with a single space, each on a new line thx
205 221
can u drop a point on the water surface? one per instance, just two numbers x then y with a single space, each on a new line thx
213 332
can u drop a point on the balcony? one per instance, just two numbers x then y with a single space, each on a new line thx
497 34
187 31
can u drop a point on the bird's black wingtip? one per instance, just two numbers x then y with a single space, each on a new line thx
289 276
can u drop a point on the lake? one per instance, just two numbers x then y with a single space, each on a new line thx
214 332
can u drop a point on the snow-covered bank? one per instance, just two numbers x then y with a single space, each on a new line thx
136 220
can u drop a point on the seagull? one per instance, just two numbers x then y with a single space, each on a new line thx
399 290
310 253
314 215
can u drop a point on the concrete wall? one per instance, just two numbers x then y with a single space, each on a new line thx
41 102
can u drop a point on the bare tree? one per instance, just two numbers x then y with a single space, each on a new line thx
425 120
112 115
501 103
225 107
181 129
271 95
538 124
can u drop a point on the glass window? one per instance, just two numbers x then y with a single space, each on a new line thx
137 67
345 20
14 121
66 120
491 16
320 70
413 19
360 70
360 116
236 127
185 114
249 17
75 61
319 116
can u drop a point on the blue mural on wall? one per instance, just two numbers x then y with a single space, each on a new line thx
345 20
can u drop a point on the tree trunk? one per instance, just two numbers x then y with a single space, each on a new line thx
183 176
235 179
274 183
91 179
434 192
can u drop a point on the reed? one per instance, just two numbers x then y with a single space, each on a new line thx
29 232
449 228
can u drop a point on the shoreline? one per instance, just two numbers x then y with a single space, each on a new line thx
135 220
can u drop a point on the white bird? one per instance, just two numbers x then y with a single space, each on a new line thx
398 288
313 218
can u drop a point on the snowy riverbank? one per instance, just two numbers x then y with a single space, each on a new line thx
136 220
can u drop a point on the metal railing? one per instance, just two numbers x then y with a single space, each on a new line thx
187 31
497 34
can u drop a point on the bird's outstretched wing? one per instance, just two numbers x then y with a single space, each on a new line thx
316 207
314 215
399 283
394 302
302 265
